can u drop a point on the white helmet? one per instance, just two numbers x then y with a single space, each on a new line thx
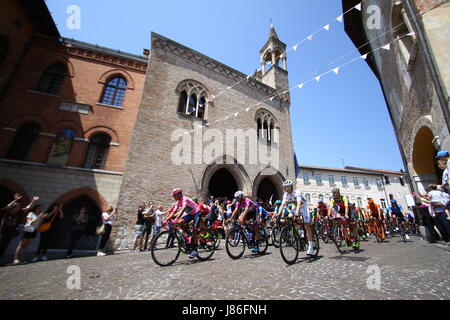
288 183
238 194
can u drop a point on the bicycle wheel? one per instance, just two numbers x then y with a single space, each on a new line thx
206 245
276 233
289 245
316 242
235 244
269 231
263 242
324 232
338 234
378 233
217 237
166 248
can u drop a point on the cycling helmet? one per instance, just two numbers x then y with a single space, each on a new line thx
288 183
278 202
335 190
177 192
443 153
238 194
393 201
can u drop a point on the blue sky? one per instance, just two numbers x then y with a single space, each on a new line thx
341 114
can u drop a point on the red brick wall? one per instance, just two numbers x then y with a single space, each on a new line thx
425 5
82 86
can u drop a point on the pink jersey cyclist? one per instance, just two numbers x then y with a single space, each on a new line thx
185 202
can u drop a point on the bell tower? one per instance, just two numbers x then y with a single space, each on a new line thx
273 62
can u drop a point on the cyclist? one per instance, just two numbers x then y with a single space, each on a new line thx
248 211
322 209
189 211
341 205
375 212
397 213
292 196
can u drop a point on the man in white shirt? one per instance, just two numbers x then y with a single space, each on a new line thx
158 215
444 163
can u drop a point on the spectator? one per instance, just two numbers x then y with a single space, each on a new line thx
439 201
158 216
444 164
425 215
10 218
46 235
107 219
77 228
34 219
148 226
139 227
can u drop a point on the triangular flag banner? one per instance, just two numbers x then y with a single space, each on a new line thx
271 99
236 114
317 78
310 38
200 126
364 56
248 77
192 130
300 85
411 34
336 70
229 88
358 6
295 47
213 97
286 92
387 47
246 110
340 18
226 118
327 27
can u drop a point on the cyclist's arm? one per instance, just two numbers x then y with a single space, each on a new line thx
299 204
243 214
234 213
281 210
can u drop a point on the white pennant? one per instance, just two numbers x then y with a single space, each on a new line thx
364 56
327 27
295 47
200 126
336 70
286 92
387 47
300 85
192 130
271 99
229 88
411 34
340 18
358 6
248 77
236 114
317 78
310 38
246 110
213 97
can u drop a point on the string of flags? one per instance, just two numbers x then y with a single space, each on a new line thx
335 70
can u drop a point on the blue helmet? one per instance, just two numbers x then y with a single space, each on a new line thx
442 153
278 202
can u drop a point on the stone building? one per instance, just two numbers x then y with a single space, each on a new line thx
413 74
358 184
185 90
67 113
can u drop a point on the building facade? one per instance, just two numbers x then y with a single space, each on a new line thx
67 112
413 74
358 184
186 90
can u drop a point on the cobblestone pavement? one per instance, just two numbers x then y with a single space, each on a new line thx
413 270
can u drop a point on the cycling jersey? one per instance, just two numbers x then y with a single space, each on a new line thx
293 198
246 203
340 203
396 210
204 209
263 212
186 203
374 210
322 209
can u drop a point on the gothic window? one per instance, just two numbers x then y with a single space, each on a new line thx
3 49
192 99
52 79
97 151
114 92
402 32
266 126
24 141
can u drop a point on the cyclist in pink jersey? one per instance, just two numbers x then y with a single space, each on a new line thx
189 211
249 211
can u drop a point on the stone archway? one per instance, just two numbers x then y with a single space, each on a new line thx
268 186
7 188
222 184
423 159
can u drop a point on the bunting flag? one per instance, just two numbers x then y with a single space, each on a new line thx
340 18
236 114
387 47
317 78
358 7
327 27
364 56
336 70
295 47
246 110
248 77
300 85
310 38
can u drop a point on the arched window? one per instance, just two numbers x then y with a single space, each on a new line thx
114 92
24 141
97 151
3 49
402 31
62 147
192 100
52 78
266 125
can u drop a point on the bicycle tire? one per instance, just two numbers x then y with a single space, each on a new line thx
234 239
289 238
207 245
276 233
159 244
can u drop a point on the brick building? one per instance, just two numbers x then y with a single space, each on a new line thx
183 91
413 74
67 113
